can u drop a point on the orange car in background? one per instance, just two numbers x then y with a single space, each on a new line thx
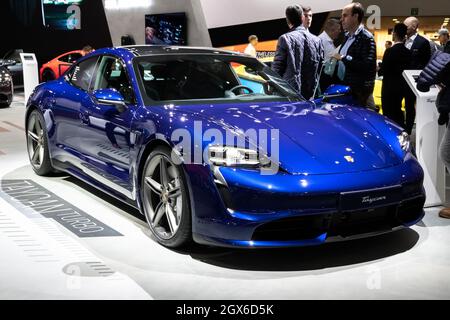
55 68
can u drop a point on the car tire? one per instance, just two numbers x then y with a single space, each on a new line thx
37 144
48 75
165 199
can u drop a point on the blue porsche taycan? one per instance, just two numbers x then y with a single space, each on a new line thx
174 132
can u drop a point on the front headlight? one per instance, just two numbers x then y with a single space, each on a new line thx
233 157
404 140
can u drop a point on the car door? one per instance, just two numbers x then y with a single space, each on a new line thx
106 129
66 62
66 104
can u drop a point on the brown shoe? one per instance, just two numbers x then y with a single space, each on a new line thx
445 213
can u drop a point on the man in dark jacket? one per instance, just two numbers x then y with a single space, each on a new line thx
420 55
357 57
444 39
299 55
437 72
395 60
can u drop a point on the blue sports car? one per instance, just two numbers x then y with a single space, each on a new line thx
175 133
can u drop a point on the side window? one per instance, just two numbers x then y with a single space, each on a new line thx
70 58
81 75
187 79
74 57
112 75
64 58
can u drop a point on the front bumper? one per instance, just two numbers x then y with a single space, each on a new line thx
288 210
316 229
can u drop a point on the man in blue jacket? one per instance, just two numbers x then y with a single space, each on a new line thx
299 55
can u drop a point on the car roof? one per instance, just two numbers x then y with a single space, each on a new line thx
128 53
145 50
69 52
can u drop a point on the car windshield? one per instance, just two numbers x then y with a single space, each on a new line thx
209 77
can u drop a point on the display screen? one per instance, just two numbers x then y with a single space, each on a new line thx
166 29
62 14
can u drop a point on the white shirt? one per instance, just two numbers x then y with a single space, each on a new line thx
409 42
250 50
328 45
350 40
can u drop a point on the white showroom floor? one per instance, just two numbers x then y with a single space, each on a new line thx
41 259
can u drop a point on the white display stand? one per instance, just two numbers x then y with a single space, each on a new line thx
428 138
30 73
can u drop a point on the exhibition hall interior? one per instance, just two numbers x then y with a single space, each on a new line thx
203 150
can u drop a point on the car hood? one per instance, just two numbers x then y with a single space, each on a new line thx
313 140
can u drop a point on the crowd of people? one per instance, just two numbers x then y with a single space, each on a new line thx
354 62
300 54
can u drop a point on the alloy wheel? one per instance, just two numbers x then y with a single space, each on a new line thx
35 141
163 197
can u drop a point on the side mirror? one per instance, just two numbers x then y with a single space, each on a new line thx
335 91
110 97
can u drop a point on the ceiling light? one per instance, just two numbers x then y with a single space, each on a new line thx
126 4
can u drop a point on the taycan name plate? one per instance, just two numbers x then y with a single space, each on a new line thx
32 199
370 198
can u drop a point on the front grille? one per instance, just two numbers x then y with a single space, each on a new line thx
250 201
296 228
365 221
344 224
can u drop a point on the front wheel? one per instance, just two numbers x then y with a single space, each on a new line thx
37 144
164 194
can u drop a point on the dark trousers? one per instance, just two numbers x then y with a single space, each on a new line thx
363 96
410 108
391 101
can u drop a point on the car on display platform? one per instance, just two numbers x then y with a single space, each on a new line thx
6 83
146 124
56 67
16 68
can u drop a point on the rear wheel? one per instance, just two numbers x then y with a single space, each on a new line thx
48 75
37 144
165 199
